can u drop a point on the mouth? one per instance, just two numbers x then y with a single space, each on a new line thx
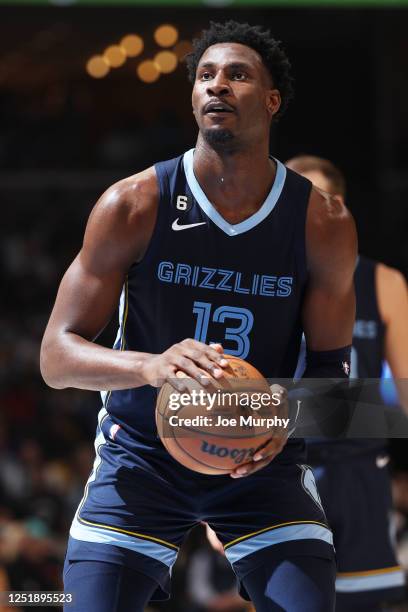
217 108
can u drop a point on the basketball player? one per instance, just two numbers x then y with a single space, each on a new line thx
222 244
352 475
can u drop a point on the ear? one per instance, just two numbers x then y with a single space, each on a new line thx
273 101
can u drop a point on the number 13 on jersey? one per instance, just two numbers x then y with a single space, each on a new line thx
238 333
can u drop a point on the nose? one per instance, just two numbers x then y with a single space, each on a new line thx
218 86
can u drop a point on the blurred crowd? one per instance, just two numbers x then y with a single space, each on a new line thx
45 437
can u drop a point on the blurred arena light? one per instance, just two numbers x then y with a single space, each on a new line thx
182 48
132 44
114 56
166 61
166 35
97 67
148 71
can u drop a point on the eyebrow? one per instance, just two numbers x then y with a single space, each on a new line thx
233 65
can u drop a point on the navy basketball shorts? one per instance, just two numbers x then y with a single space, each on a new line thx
356 495
139 504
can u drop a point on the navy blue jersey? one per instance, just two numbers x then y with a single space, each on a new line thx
203 278
368 333
368 348
241 285
356 496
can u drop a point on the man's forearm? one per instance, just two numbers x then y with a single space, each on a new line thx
73 361
402 390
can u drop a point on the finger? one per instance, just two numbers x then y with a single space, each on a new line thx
204 361
247 469
203 380
280 404
275 388
184 382
217 347
178 384
211 367
193 384
273 447
215 352
188 366
280 393
250 468
217 356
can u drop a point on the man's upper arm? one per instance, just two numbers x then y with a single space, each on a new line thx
117 234
331 247
392 297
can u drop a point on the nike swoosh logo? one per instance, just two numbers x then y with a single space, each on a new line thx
177 228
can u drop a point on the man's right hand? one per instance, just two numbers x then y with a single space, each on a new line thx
196 359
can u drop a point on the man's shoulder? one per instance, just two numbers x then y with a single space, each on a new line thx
330 225
139 192
390 276
331 236
132 195
327 211
391 289
122 221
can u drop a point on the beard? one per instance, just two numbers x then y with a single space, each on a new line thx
221 139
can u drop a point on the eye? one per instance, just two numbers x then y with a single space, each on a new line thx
239 76
205 76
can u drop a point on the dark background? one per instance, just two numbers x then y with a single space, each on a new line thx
65 137
64 131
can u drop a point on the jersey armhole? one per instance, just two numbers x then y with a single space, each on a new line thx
301 220
164 190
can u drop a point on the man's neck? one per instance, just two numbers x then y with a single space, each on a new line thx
236 182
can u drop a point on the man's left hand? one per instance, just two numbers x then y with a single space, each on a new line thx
273 447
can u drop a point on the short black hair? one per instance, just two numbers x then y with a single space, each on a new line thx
270 50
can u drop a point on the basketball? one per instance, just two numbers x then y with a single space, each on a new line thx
224 430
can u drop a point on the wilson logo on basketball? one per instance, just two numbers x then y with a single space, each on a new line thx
237 454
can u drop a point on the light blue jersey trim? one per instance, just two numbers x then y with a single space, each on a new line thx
278 536
354 584
100 441
214 215
104 393
115 538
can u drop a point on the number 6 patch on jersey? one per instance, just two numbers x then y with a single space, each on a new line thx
184 203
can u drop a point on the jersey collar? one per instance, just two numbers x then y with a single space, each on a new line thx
214 215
